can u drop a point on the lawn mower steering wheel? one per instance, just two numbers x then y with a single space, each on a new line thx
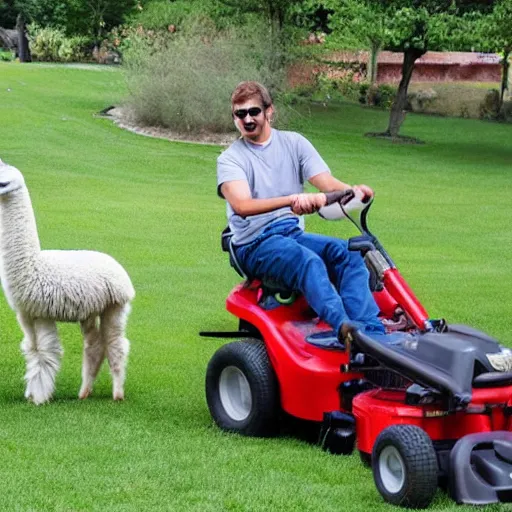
340 196
340 203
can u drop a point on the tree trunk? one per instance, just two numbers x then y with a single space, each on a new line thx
23 47
397 115
505 65
372 63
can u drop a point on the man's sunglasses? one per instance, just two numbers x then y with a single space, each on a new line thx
242 112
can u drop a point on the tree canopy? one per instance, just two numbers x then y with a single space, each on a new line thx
408 26
496 33
75 17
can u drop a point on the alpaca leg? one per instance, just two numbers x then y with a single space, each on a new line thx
42 350
29 334
94 353
112 327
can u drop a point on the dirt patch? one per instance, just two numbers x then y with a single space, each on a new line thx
125 119
399 139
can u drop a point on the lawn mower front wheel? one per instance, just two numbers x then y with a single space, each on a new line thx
404 464
241 389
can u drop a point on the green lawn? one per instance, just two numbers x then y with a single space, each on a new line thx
442 210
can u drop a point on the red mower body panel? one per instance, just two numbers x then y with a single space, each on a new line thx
378 409
309 377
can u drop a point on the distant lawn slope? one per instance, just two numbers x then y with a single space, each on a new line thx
442 210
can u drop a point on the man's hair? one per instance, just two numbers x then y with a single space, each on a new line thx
246 90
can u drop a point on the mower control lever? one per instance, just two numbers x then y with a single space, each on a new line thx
340 196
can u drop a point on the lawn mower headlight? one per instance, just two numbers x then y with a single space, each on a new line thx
501 361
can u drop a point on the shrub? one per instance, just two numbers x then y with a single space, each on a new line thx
363 91
304 90
421 100
186 83
162 13
381 95
45 42
455 99
121 39
73 49
6 55
490 106
348 88
506 111
51 44
324 88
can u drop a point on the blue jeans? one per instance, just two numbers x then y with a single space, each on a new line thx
333 279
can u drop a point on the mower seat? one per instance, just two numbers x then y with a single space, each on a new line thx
273 294
225 242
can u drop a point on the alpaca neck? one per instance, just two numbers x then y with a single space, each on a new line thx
19 242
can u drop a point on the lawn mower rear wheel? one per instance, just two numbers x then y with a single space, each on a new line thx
241 389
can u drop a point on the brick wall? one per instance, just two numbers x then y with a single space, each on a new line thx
432 67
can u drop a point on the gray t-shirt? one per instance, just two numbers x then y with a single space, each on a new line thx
276 169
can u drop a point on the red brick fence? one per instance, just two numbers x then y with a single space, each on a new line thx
432 67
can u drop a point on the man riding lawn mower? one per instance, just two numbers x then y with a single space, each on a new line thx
427 403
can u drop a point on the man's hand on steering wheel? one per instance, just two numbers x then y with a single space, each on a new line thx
303 204
364 191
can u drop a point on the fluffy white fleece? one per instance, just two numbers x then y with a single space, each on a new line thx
70 286
44 287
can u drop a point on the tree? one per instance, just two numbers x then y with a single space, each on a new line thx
23 47
279 15
498 31
7 14
76 17
44 12
357 24
409 32
408 26
95 18
275 11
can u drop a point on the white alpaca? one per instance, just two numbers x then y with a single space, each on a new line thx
45 287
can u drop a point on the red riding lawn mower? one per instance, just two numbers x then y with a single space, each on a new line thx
429 403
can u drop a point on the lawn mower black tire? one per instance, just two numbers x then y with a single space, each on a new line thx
242 390
404 464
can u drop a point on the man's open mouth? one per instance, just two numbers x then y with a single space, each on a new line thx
249 127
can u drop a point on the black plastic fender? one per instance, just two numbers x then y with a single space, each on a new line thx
481 468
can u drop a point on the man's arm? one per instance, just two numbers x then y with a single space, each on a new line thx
326 182
238 194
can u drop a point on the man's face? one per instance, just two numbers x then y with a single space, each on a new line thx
252 119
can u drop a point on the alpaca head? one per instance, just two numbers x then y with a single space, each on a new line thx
10 179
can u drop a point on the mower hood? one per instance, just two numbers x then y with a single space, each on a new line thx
451 362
